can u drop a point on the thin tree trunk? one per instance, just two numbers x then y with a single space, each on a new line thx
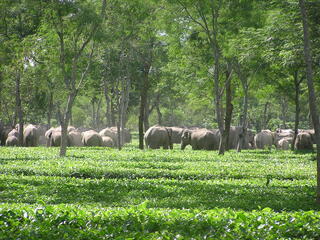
98 113
158 110
284 109
217 101
93 114
265 117
312 96
143 99
119 129
64 125
112 112
108 104
297 113
19 108
244 123
229 106
50 109
146 115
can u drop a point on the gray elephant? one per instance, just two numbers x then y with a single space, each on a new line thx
126 134
282 133
91 138
75 138
284 143
107 142
176 134
112 132
263 139
12 141
69 129
31 135
303 142
107 132
55 139
200 139
14 132
48 134
310 131
158 136
4 131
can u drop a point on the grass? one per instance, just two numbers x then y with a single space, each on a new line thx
100 193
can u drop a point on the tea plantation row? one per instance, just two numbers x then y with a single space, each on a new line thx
97 193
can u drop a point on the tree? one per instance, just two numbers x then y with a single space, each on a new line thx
312 97
75 26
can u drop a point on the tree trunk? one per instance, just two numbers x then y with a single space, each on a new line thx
19 108
64 125
143 99
229 106
119 139
217 101
93 113
297 113
50 109
244 122
284 110
146 115
108 104
312 96
112 112
265 117
97 123
158 110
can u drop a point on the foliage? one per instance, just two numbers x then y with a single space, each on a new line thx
103 193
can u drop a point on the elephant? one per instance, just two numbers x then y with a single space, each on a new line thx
31 134
284 143
310 131
70 128
4 131
200 139
126 134
263 139
288 132
303 141
91 138
55 138
234 138
42 130
107 132
282 133
48 134
14 132
107 141
112 132
176 134
75 138
12 141
158 136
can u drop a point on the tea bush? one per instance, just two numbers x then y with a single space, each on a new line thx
101 193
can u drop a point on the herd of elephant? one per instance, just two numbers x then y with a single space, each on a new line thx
201 138
34 135
157 137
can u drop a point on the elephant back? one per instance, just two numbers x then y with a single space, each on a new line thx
107 142
12 141
75 138
304 141
157 136
91 138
